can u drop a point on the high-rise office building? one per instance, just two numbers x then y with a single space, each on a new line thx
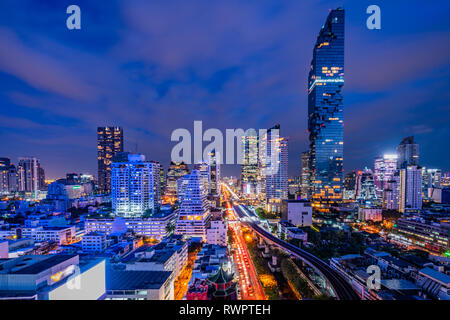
5 164
268 158
134 186
325 109
162 176
176 171
408 153
431 178
410 195
214 164
305 178
384 169
365 187
204 171
109 144
445 180
9 178
391 193
194 214
181 187
249 169
277 186
350 182
31 177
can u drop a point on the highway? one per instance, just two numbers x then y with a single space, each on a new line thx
249 284
341 287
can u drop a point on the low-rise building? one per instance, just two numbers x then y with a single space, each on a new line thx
431 235
60 235
52 277
394 283
217 233
139 285
435 283
370 213
154 227
94 242
209 259
169 255
4 249
297 212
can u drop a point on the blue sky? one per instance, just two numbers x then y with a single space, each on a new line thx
154 66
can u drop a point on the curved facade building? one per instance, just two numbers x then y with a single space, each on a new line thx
325 110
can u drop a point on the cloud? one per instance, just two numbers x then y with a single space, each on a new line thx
39 70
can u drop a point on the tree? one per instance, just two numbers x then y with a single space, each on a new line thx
170 228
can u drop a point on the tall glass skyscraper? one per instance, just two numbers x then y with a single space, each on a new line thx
325 109
109 143
249 170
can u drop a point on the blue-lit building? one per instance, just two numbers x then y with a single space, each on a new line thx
325 109
135 186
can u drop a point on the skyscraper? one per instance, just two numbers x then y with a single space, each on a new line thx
109 143
268 158
194 214
5 164
365 188
214 163
204 171
249 169
384 170
276 168
391 193
134 186
408 153
305 177
181 187
431 178
410 196
350 182
176 171
325 109
31 175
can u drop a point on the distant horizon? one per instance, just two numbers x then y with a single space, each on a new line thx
151 68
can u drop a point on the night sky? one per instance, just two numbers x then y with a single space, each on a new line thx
154 66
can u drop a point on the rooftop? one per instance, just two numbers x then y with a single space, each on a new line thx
133 280
399 284
436 275
40 265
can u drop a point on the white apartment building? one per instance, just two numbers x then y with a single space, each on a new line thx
194 214
153 227
410 196
135 186
297 212
217 233
94 242
373 214
60 235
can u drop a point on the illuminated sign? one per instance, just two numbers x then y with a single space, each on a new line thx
62 274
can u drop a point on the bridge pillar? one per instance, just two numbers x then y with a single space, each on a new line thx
260 243
266 253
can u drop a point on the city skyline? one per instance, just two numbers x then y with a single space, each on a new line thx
265 77
224 171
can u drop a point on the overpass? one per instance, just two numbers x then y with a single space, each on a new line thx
341 287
